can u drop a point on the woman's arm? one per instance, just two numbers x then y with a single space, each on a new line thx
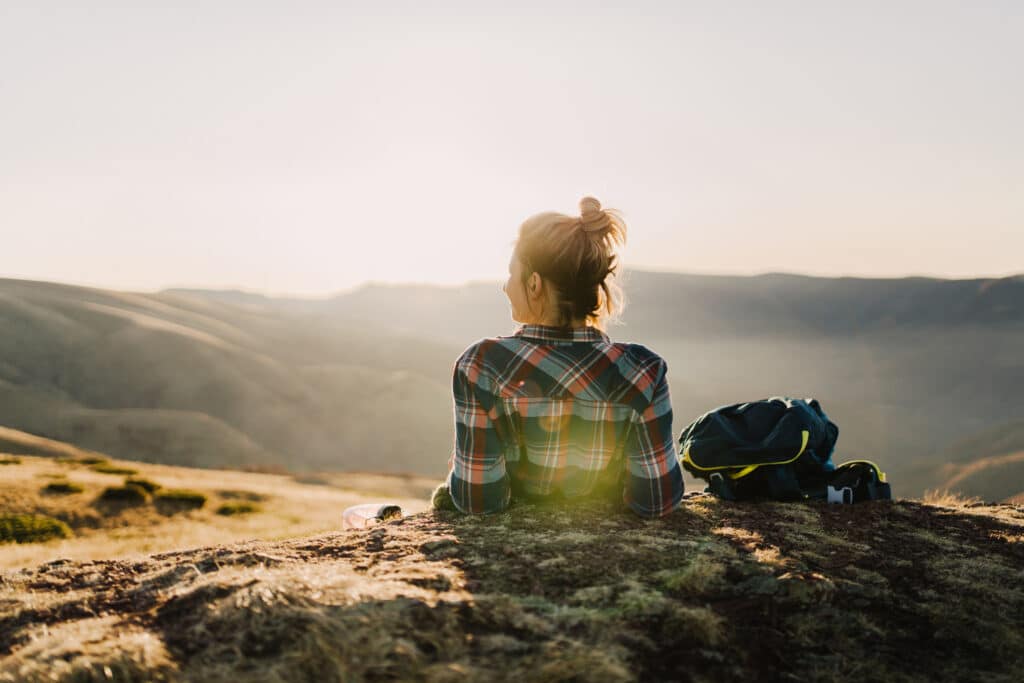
477 481
654 486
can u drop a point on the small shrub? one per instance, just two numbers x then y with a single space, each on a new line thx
124 495
150 486
173 500
89 460
61 488
107 468
265 469
242 495
312 479
9 460
238 507
31 528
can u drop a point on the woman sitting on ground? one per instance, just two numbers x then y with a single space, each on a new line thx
557 411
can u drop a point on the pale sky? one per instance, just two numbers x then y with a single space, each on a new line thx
307 147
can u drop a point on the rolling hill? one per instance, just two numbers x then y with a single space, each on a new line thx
164 378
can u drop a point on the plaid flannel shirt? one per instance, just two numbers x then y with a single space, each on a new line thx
551 412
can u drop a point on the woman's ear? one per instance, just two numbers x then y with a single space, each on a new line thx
533 284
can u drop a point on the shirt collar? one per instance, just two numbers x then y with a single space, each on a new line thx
548 333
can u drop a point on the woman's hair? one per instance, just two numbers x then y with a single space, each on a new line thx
578 259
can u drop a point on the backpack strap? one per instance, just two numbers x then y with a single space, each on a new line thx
777 483
721 486
856 481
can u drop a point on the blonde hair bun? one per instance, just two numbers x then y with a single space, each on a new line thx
592 218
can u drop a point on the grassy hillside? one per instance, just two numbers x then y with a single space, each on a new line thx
726 592
193 382
238 505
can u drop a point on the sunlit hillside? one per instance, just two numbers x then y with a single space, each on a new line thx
108 508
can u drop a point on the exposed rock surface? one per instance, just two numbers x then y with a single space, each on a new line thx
716 591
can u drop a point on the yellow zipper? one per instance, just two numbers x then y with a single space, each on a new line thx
805 436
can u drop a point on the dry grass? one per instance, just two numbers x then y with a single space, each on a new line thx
288 509
949 499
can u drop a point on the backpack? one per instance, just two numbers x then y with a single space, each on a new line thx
778 448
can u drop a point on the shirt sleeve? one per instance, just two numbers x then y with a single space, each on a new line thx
654 482
478 480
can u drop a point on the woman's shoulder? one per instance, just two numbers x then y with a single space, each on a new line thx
640 355
483 361
487 352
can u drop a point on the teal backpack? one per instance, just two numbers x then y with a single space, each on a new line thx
778 448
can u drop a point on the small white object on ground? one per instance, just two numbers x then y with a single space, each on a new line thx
367 514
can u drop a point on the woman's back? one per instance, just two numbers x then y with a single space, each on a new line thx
549 412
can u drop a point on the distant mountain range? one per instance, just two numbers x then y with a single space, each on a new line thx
916 372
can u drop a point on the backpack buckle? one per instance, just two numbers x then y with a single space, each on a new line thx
840 495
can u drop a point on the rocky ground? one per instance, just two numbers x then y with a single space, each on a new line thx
719 591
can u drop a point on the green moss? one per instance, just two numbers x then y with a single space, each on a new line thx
106 468
124 495
150 486
61 488
697 625
441 499
174 500
250 496
593 595
702 572
24 528
238 507
639 600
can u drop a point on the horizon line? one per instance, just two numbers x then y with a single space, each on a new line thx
251 291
